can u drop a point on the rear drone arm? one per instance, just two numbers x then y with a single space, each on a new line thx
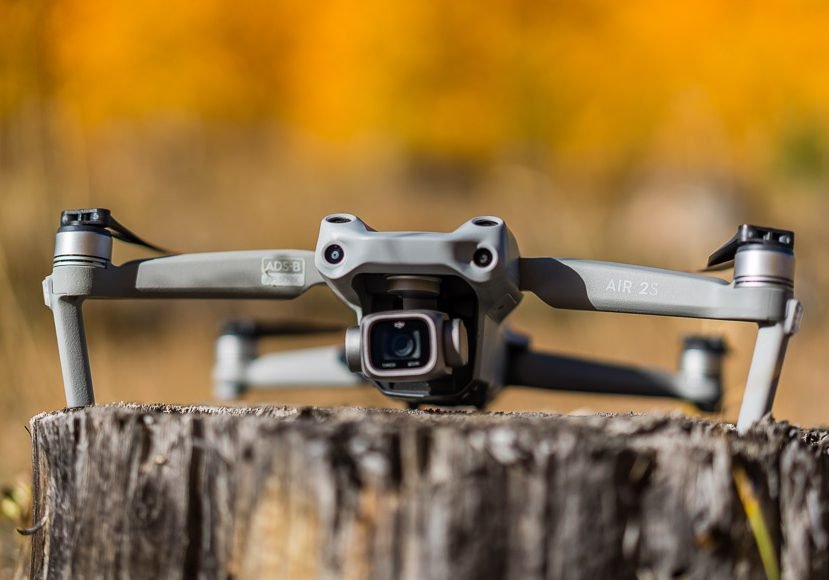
761 292
82 270
239 367
698 380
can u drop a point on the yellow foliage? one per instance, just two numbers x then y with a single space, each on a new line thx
589 82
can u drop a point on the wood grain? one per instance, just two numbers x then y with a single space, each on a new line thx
130 491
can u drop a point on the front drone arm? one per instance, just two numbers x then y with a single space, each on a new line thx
612 287
268 274
762 292
82 270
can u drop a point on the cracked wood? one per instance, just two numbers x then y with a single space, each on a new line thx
141 491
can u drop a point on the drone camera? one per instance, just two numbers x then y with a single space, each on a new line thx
407 345
402 343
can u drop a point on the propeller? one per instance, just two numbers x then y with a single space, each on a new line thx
723 257
102 218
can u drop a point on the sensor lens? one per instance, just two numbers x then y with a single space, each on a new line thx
334 254
482 257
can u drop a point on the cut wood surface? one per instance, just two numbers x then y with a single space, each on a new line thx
129 491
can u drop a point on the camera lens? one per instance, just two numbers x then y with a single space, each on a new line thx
402 345
401 342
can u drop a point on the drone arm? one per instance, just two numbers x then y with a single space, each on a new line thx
767 300
274 274
72 349
612 287
324 367
562 373
238 368
766 364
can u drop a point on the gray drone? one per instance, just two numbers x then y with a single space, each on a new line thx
431 310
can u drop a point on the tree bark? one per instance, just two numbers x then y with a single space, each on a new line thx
128 491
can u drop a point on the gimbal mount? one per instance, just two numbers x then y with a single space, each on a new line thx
431 306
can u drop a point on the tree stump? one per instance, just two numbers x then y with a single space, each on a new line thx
128 491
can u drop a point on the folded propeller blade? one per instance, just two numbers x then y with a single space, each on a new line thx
723 257
100 217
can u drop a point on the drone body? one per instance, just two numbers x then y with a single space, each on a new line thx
431 308
453 291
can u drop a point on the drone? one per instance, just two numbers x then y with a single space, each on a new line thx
431 310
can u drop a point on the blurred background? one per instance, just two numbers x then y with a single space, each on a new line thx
641 131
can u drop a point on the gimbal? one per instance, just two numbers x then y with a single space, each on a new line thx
431 309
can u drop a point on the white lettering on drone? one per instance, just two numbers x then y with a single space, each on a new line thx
621 286
283 271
